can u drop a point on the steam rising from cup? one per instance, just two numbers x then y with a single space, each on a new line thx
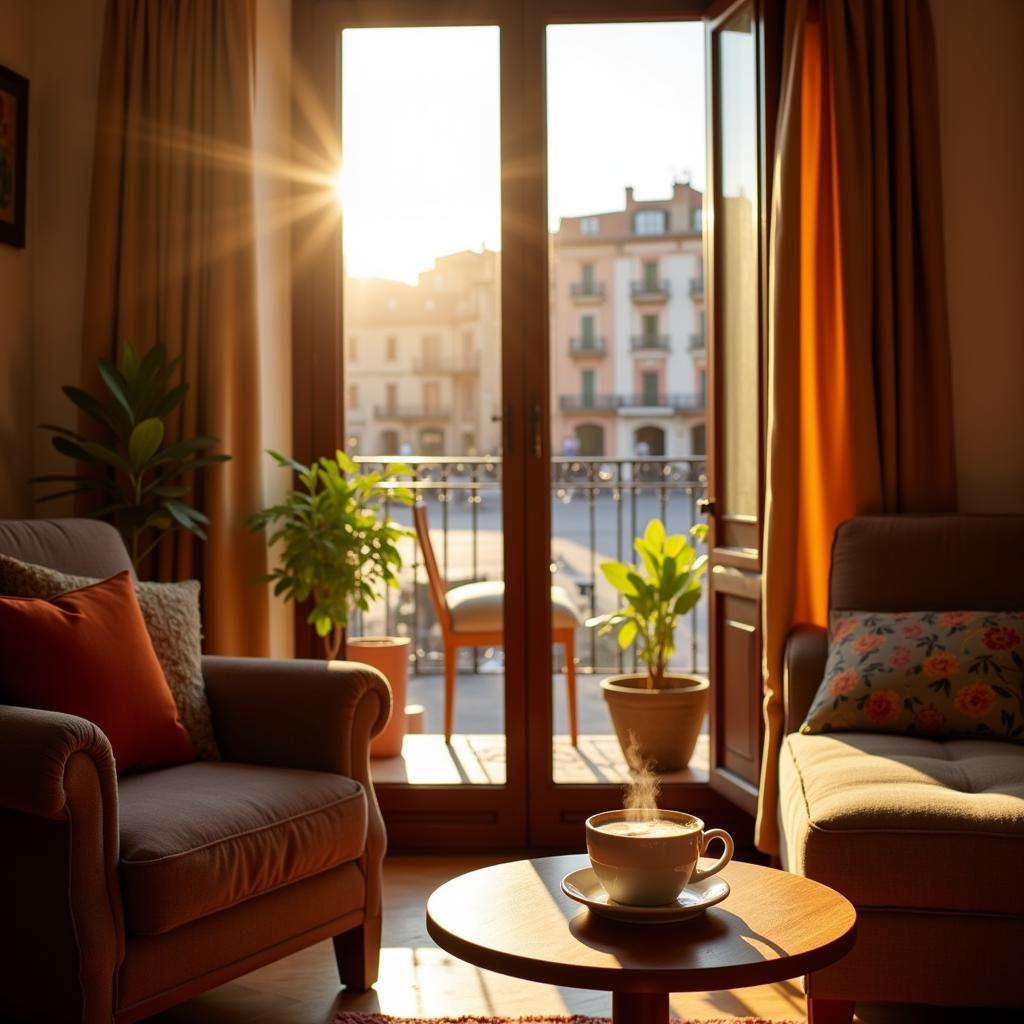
640 794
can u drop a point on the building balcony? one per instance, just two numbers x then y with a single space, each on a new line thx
697 345
583 347
626 405
588 403
649 291
464 498
697 288
587 291
650 343
411 411
670 403
467 363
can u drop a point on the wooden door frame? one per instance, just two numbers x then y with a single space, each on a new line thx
475 816
735 543
557 811
461 816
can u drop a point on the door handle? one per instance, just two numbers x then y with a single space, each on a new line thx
706 506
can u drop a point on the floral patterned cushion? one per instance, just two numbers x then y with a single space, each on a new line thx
923 673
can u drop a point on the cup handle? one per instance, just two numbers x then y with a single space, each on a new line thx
714 833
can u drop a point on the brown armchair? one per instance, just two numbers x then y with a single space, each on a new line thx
126 896
924 836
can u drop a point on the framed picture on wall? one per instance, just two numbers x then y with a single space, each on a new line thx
13 156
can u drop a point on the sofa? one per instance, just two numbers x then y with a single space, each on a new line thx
123 896
924 836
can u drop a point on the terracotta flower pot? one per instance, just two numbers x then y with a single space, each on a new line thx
390 655
666 722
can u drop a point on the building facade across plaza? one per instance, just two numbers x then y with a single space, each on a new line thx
628 358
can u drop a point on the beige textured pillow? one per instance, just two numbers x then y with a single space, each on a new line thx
171 612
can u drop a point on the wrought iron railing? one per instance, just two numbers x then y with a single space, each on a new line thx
587 346
598 506
647 289
586 289
650 343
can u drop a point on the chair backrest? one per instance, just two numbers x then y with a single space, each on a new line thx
80 547
437 586
928 563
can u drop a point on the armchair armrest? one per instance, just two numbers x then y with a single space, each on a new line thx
318 715
35 748
63 934
803 669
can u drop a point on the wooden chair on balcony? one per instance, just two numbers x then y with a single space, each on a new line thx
472 616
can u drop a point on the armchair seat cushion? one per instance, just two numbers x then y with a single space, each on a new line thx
479 607
202 837
906 822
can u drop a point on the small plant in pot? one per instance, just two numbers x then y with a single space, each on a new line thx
337 550
663 710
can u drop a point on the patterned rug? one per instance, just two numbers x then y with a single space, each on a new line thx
378 1018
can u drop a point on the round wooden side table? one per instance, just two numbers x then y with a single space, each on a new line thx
514 919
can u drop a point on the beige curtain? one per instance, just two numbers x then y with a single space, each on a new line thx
860 404
171 259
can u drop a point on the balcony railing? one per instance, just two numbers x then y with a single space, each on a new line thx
627 403
649 291
411 411
675 402
587 346
588 403
598 506
587 290
468 362
650 343
698 343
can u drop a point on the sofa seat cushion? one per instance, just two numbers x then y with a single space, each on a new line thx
480 607
898 821
202 837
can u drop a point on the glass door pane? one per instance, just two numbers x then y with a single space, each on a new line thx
736 242
420 192
626 160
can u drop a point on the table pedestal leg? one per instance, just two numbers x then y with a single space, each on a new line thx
639 1008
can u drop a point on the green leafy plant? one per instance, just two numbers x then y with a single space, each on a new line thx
136 477
666 585
335 546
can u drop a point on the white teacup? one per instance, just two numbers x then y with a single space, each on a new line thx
649 863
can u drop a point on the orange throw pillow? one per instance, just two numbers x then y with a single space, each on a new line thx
87 653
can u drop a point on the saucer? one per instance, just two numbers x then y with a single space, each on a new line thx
584 887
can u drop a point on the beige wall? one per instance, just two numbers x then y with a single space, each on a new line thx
15 303
981 109
66 63
55 44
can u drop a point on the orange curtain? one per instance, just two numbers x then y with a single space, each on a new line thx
860 393
171 259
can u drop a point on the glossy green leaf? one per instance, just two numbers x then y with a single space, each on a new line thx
102 453
117 386
617 574
144 441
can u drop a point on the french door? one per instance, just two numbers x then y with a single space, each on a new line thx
546 395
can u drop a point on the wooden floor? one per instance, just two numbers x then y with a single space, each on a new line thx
480 759
417 978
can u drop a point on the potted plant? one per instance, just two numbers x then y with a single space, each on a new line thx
136 477
337 550
662 710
